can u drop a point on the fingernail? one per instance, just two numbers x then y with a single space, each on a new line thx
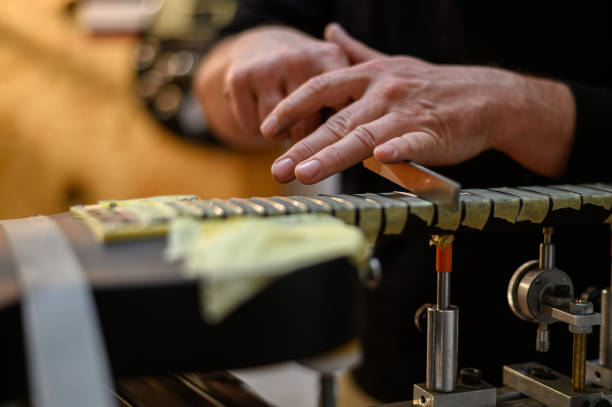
269 126
310 169
388 151
338 28
282 169
331 28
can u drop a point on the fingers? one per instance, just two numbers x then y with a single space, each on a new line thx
356 51
333 57
326 90
333 130
242 102
304 127
350 150
421 147
267 99
316 165
307 125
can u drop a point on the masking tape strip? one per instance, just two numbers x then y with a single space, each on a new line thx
209 209
447 219
560 199
600 186
314 204
229 208
422 209
590 196
249 207
343 209
65 352
476 209
370 215
534 206
291 205
395 212
272 207
187 208
506 207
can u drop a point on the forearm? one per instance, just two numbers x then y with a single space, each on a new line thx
539 124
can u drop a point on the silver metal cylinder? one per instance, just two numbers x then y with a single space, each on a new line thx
442 348
443 289
547 256
328 390
605 346
543 338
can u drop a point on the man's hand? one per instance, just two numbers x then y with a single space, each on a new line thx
403 108
245 77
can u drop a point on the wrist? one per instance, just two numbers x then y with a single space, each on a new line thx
539 126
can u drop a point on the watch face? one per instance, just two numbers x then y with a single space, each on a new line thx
168 57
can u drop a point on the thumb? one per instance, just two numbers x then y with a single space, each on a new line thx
420 147
355 50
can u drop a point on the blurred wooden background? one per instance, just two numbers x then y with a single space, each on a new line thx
72 130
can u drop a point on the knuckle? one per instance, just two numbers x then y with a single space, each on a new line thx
393 88
237 78
303 149
320 83
332 51
366 137
429 119
338 125
267 69
334 157
376 64
294 57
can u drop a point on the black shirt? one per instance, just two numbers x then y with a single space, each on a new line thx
571 43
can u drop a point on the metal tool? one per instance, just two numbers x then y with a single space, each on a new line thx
539 292
422 181
442 387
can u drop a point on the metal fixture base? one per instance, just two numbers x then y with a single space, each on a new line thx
597 375
549 387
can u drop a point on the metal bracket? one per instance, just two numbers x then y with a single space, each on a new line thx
549 387
579 320
481 395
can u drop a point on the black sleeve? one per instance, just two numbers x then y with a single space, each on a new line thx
592 150
309 16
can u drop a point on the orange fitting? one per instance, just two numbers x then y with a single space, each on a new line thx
444 252
444 258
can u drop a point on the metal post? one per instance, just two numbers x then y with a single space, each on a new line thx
547 261
329 389
605 348
442 325
542 338
442 349
579 362
547 249
443 290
